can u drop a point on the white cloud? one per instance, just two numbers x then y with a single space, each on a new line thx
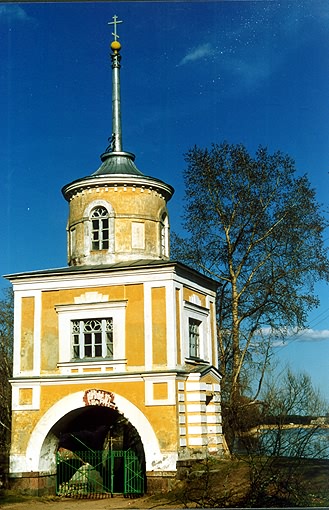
201 51
304 335
312 335
13 12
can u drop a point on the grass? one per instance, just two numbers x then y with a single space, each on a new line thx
255 482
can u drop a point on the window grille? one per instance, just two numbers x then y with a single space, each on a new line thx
99 229
194 338
92 338
164 235
163 239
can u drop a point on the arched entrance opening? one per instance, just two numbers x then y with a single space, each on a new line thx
64 416
93 443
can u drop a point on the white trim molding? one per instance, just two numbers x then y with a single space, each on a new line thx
198 313
80 311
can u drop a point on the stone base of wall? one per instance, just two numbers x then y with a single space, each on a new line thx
40 484
160 481
33 484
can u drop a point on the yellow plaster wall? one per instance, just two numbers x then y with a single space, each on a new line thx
152 236
22 425
79 237
135 349
23 422
25 396
49 331
27 333
132 391
159 329
134 321
122 235
159 417
49 318
160 391
129 204
114 292
187 293
209 379
135 203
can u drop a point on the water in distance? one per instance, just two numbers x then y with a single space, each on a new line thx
302 442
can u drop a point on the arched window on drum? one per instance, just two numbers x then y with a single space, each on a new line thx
164 236
100 229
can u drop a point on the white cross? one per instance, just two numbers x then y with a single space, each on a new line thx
115 22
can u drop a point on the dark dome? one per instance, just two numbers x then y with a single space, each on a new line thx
117 163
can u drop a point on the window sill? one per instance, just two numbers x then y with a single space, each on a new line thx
196 361
92 366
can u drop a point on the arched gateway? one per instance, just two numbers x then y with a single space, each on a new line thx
88 421
71 415
120 344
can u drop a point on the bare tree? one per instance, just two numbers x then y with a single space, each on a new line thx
6 359
257 228
281 453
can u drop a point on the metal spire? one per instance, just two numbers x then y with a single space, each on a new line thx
114 159
116 141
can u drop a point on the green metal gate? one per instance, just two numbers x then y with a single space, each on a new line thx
86 474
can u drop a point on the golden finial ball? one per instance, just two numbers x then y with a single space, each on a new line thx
115 46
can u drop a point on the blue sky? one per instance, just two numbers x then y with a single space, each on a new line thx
192 73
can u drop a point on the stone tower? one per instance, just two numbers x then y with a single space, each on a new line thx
117 214
121 344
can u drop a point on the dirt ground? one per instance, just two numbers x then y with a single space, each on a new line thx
117 502
214 484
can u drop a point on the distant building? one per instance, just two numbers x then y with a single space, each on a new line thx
118 350
321 420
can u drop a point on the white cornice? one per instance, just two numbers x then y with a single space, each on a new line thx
86 378
115 180
58 279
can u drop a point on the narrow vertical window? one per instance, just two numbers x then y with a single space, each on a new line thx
194 338
99 229
164 236
76 339
72 240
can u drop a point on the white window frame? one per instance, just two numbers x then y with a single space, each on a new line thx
164 235
73 240
88 248
78 332
84 311
197 337
103 233
202 316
